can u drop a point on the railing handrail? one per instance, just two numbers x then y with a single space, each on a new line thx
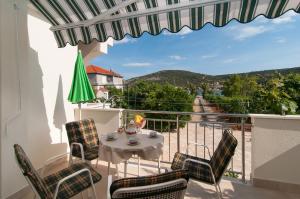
197 121
188 113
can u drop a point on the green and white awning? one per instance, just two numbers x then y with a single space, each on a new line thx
85 20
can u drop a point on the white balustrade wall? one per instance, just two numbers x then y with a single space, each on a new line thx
275 152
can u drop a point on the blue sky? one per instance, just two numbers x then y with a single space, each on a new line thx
259 45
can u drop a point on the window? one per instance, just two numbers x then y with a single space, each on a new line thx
109 79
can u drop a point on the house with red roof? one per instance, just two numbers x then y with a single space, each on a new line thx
100 78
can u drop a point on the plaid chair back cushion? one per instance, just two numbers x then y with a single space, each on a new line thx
29 171
223 154
196 171
164 192
84 132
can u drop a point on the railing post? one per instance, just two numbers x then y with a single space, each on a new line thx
213 137
178 134
187 136
125 119
204 138
169 127
243 150
196 138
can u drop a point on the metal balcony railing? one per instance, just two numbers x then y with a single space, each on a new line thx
204 128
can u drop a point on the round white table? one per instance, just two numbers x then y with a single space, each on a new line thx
118 150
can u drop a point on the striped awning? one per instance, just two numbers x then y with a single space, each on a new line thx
75 21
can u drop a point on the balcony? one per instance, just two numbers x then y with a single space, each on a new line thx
249 177
230 188
34 85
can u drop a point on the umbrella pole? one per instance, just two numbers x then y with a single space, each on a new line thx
79 107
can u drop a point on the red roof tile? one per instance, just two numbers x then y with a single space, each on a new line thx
92 69
103 89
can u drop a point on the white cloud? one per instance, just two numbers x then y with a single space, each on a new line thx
244 32
208 56
176 67
286 18
137 64
280 40
227 61
124 41
262 20
131 75
183 31
176 57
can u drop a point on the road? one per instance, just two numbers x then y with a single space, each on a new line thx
202 106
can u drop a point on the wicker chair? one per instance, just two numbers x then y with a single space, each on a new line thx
171 185
208 171
83 140
63 184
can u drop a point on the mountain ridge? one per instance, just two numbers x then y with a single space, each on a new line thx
182 77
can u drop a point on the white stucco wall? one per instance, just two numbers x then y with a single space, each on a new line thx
276 148
106 120
45 76
101 79
118 82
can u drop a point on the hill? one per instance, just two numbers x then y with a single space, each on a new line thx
182 78
175 77
264 73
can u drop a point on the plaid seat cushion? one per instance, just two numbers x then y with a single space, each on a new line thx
84 132
223 154
90 154
73 185
150 180
29 171
195 170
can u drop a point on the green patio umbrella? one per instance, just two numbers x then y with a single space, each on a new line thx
81 90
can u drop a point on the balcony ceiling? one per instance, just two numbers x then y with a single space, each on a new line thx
85 20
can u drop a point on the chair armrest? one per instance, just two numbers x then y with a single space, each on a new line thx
71 176
196 161
109 182
196 144
51 160
54 158
165 170
200 162
81 149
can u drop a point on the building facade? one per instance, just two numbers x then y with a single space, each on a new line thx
100 78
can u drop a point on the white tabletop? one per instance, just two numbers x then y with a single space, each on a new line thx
118 150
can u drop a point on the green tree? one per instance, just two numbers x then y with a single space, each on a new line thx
160 97
233 86
117 97
292 88
191 88
249 86
274 97
276 94
205 88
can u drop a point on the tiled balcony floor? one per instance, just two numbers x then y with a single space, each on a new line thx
230 188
